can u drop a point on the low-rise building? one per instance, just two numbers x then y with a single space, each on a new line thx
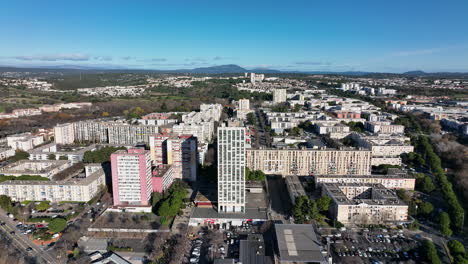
384 128
24 141
362 204
43 168
163 177
77 188
74 154
391 180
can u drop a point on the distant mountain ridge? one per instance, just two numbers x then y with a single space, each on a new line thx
219 69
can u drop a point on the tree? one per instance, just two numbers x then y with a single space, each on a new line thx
456 248
444 221
57 225
424 183
156 198
425 209
51 157
323 203
105 114
251 118
63 158
5 203
430 252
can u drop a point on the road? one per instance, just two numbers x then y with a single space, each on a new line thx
262 137
23 241
279 201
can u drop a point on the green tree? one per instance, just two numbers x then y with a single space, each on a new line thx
424 183
251 118
444 221
323 203
456 247
63 158
51 157
430 252
425 208
156 198
6 203
57 225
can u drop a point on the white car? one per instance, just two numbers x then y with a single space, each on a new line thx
194 260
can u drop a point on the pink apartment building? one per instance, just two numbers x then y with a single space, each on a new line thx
131 177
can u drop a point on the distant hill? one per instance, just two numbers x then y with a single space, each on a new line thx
219 69
229 68
415 73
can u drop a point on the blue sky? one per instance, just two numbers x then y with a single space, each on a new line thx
366 35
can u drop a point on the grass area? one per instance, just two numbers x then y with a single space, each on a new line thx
23 178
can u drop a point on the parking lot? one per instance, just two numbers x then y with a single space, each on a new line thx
372 246
215 242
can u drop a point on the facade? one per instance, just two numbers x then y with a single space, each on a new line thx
179 151
163 177
386 149
64 134
384 128
255 77
131 177
24 141
92 131
231 169
309 161
244 104
365 204
346 115
389 181
279 96
124 134
5 153
71 189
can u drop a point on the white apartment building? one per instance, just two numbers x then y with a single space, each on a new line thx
43 168
203 131
309 161
279 95
384 128
72 189
386 149
244 104
125 134
92 131
24 141
5 153
64 134
365 204
255 77
231 169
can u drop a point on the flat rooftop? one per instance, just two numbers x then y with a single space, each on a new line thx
298 243
355 193
27 167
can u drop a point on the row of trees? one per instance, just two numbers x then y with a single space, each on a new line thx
170 203
306 210
101 155
432 159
